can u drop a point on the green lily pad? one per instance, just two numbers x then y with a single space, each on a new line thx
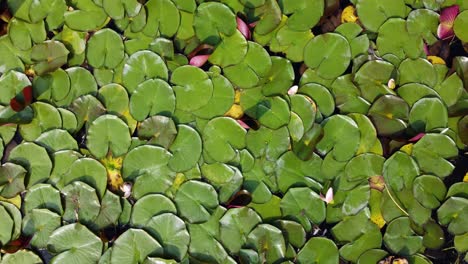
417 71
87 16
369 240
81 203
9 57
451 214
110 211
424 22
304 205
373 13
389 114
401 239
133 246
413 92
255 65
144 209
105 49
341 135
271 18
304 15
21 256
53 86
12 83
118 9
34 159
186 149
372 256
321 96
212 20
429 191
159 130
56 140
431 153
193 89
88 171
196 200
221 100
372 78
460 25
402 44
11 179
141 66
222 136
74 243
291 172
335 48
226 179
364 166
356 200
62 162
108 133
272 112
427 114
450 90
231 50
147 166
163 17
400 170
46 117
40 224
318 250
163 99
24 35
86 109
49 56
268 241
43 196
171 231
267 142
235 225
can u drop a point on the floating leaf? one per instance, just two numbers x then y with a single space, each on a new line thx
400 238
105 49
141 66
304 205
318 250
335 48
186 149
268 241
163 99
221 137
40 224
74 243
144 209
196 200
213 20
108 133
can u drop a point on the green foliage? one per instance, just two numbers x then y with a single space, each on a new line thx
233 131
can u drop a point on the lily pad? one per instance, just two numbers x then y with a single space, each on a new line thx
163 99
172 232
335 58
74 243
304 205
40 224
144 209
33 158
11 179
318 250
133 246
105 49
108 133
373 13
401 239
141 66
213 20
196 200
193 88
81 203
186 149
268 241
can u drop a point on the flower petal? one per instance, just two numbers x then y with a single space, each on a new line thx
243 124
329 195
447 18
243 28
417 137
199 60
293 90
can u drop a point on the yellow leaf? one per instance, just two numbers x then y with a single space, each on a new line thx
16 201
349 15
436 60
235 112
408 148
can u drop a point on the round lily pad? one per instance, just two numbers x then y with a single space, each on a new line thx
193 88
335 55
401 239
318 250
134 245
213 19
196 200
459 26
105 49
163 99
108 133
74 243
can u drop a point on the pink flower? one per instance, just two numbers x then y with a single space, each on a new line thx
199 60
328 197
447 18
243 28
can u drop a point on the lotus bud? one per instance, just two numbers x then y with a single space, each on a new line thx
328 198
447 18
243 124
126 188
243 28
391 84
293 90
417 137
199 60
